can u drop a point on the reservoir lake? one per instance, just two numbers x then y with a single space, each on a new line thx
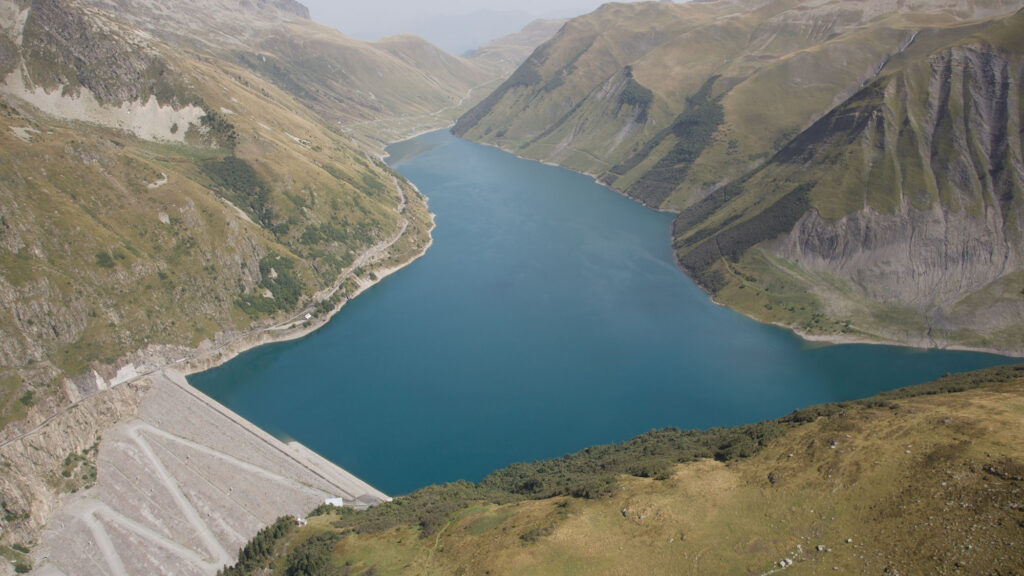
548 316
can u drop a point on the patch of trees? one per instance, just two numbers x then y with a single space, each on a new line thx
732 242
279 276
590 473
254 557
219 130
693 130
312 556
593 472
237 181
636 95
695 214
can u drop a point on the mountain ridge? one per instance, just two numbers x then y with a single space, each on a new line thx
697 114
178 185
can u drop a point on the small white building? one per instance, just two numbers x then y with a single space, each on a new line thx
339 502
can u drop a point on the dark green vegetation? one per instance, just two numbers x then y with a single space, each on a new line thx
235 179
635 94
257 553
806 146
219 132
312 556
595 472
280 279
731 243
504 506
693 131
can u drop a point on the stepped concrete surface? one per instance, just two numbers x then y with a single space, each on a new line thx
182 487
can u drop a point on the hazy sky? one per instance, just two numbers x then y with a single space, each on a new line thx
455 25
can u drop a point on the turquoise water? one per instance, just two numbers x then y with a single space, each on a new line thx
547 316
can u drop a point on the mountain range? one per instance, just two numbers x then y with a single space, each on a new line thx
179 183
851 170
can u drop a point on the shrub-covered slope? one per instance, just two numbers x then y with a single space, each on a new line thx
174 179
926 479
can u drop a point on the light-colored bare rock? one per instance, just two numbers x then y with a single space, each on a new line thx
182 486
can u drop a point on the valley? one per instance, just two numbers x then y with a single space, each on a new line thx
181 184
177 187
835 167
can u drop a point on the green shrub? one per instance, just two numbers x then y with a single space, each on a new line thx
310 557
254 556
693 131
237 181
279 276
104 260
636 95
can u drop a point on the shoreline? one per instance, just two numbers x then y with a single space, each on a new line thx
591 175
296 327
839 339
116 398
826 339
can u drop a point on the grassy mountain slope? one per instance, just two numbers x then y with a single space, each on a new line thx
378 91
165 192
926 479
511 50
897 215
194 208
611 93
848 169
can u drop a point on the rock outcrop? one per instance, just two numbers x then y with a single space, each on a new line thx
851 170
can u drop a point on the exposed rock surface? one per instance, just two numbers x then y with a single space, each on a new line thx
151 185
32 463
947 225
852 170
181 486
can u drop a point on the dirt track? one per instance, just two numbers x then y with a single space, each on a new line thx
182 487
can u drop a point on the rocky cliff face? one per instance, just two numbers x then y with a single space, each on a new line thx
67 49
772 69
911 225
37 468
950 223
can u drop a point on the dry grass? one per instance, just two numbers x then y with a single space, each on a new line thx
933 485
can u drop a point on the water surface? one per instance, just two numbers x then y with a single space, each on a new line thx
547 316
